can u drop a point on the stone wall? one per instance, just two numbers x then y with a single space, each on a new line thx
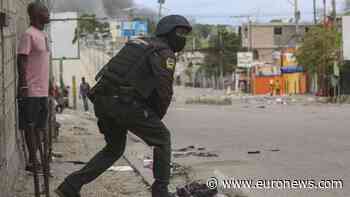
11 152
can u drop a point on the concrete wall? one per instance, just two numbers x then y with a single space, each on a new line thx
265 41
11 154
265 54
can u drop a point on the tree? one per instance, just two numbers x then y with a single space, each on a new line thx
318 53
227 46
88 24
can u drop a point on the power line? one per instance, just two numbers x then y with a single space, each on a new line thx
252 15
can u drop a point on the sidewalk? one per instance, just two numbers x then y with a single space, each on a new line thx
79 140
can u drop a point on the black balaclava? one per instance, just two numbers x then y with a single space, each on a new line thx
176 43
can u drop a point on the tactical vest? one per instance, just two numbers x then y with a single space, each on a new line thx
130 67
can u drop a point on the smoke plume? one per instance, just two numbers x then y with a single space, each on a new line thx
99 7
115 7
102 8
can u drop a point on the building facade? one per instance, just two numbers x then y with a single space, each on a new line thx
266 38
11 140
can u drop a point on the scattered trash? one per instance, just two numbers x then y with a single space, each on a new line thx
205 154
121 169
78 128
192 151
180 154
185 149
196 189
178 170
254 152
201 148
57 154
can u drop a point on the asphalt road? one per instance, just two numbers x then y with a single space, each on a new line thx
295 142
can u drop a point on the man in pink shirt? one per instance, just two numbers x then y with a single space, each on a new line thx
33 70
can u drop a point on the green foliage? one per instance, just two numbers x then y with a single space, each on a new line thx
198 39
319 49
89 25
225 44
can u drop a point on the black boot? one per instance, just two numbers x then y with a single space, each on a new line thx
65 190
160 189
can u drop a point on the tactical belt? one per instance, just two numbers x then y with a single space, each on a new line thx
126 94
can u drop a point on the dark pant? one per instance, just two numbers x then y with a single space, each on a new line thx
33 112
85 103
115 119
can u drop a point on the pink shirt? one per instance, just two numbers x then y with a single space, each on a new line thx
34 44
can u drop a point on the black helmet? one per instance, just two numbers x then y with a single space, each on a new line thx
168 23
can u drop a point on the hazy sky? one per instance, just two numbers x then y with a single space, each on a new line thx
218 11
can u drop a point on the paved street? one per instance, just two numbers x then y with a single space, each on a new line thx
296 142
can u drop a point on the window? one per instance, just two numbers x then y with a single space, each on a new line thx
278 30
256 54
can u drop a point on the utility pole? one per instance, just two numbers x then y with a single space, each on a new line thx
250 45
315 12
334 13
161 2
324 11
221 45
297 17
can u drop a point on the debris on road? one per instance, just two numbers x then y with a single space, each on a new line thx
77 128
254 152
179 170
196 189
121 169
76 162
193 151
80 131
275 150
185 149
57 154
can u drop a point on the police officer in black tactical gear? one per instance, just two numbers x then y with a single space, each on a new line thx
133 93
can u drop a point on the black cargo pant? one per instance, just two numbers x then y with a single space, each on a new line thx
115 119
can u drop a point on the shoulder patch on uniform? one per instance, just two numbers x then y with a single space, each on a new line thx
170 63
